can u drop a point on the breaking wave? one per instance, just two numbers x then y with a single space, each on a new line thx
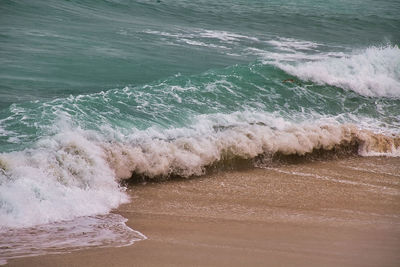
63 177
76 172
374 72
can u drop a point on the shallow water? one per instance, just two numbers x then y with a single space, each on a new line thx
66 236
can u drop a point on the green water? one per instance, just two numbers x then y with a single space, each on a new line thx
170 86
55 55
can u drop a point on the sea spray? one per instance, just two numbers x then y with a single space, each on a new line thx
61 178
374 71
76 173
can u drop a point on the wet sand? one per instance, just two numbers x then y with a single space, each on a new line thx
343 212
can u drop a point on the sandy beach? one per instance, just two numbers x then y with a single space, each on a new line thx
343 212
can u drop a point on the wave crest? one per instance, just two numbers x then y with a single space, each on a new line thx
75 173
190 155
375 72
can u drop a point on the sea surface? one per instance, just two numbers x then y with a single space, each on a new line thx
95 92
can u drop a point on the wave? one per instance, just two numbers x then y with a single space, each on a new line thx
375 72
174 102
76 172
187 152
63 177
61 172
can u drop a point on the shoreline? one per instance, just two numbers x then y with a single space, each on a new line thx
343 212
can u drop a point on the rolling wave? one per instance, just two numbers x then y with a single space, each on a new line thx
375 72
76 172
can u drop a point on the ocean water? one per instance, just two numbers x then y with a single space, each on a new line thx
93 92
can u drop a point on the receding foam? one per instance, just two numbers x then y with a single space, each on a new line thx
84 232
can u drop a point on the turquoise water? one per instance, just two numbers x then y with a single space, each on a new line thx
93 91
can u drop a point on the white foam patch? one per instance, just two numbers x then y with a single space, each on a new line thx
198 43
373 72
66 236
286 56
225 36
292 45
3 132
205 38
63 177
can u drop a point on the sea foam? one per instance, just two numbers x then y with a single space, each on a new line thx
188 151
75 173
89 231
62 177
373 72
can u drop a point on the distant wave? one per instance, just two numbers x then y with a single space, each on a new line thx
373 72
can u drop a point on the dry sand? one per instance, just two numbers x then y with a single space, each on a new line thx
343 212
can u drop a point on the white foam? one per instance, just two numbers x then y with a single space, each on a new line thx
63 177
291 55
198 43
65 236
3 132
373 72
225 36
75 173
187 151
203 37
292 45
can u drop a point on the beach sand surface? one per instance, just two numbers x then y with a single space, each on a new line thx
340 212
